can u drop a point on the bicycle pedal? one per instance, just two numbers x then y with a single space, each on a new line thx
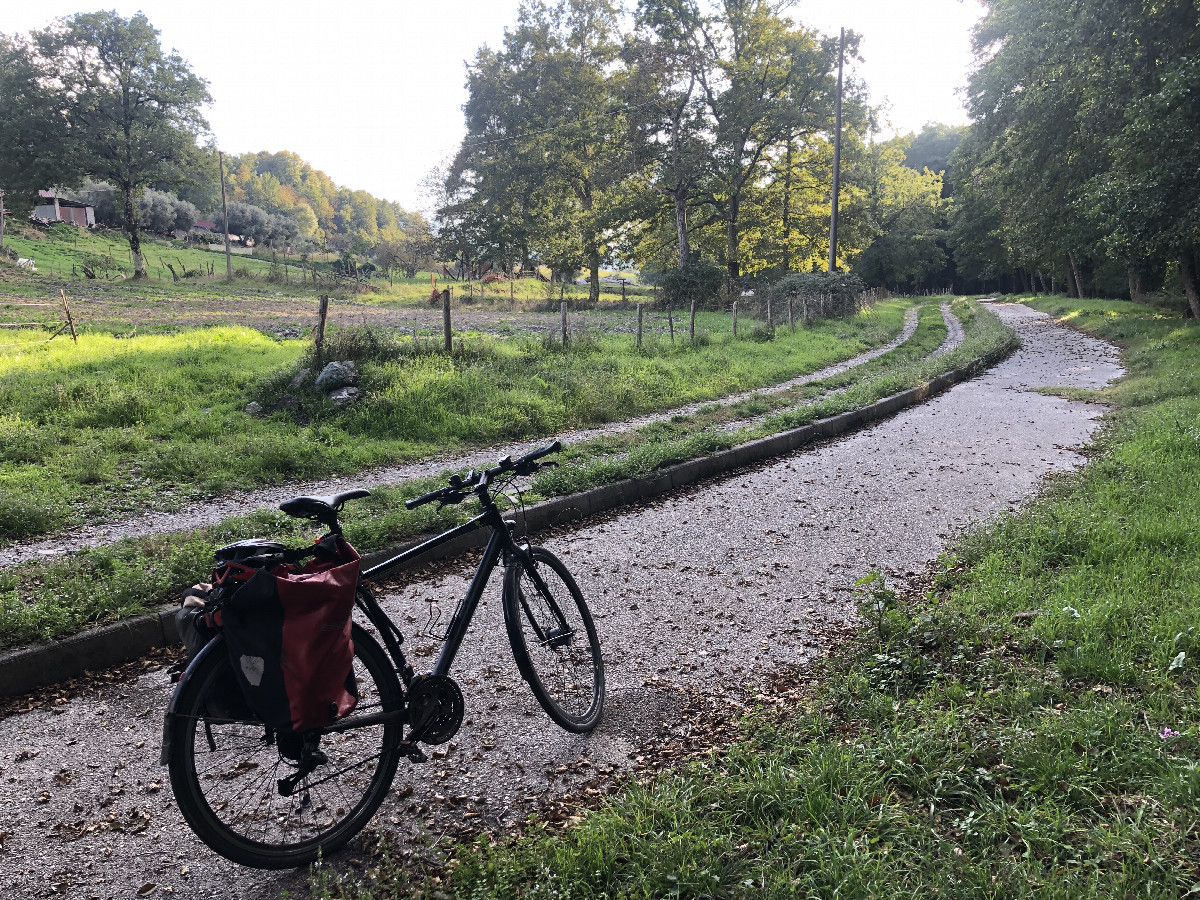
413 752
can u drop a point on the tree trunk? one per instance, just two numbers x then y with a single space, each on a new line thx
1135 285
731 246
135 237
1188 269
1075 273
685 250
594 269
787 210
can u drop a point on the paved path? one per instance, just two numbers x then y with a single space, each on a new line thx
710 589
219 509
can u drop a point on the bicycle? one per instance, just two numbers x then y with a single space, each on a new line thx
255 804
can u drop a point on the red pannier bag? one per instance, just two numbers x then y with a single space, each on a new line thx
287 630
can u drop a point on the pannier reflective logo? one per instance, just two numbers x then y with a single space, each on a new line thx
252 668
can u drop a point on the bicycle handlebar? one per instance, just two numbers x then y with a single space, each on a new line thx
458 488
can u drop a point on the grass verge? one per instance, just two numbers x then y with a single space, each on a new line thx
118 424
1026 727
51 599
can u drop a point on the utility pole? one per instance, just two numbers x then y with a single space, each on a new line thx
837 159
225 213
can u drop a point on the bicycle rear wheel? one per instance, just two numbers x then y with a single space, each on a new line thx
554 640
225 765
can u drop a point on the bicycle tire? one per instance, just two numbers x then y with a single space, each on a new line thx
222 758
565 675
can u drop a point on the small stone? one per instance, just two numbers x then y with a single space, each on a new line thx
298 381
337 374
254 408
345 396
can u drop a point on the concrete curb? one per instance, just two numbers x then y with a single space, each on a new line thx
27 668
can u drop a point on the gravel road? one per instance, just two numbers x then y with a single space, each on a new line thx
197 515
712 589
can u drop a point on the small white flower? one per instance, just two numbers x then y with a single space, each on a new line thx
1071 611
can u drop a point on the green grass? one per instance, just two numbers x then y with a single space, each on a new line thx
610 458
956 748
51 599
59 252
57 249
116 424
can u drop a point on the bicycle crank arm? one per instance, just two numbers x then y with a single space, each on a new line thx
396 717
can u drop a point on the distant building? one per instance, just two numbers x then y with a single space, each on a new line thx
205 225
59 210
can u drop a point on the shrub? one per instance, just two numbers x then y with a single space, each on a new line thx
361 343
822 293
699 280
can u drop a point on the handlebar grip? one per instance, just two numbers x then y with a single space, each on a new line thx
538 454
423 499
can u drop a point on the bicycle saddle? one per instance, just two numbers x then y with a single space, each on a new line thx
323 509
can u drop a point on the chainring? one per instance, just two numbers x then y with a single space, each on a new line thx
435 708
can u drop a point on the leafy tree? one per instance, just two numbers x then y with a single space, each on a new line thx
164 213
1150 198
133 110
766 81
932 148
533 176
904 214
38 152
1084 152
665 114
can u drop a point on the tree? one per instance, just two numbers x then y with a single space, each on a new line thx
665 115
35 134
766 81
133 110
904 219
1083 152
931 149
1150 198
542 150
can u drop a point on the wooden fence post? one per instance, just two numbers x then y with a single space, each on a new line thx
671 321
770 318
446 319
735 318
791 321
639 327
562 311
322 312
70 321
692 324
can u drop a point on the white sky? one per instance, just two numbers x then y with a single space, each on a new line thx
370 91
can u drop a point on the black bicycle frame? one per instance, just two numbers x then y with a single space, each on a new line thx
499 544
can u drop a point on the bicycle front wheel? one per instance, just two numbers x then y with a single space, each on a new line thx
554 640
226 766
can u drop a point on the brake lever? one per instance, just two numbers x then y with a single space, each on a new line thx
452 499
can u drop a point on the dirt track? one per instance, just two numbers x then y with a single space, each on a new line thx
712 590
